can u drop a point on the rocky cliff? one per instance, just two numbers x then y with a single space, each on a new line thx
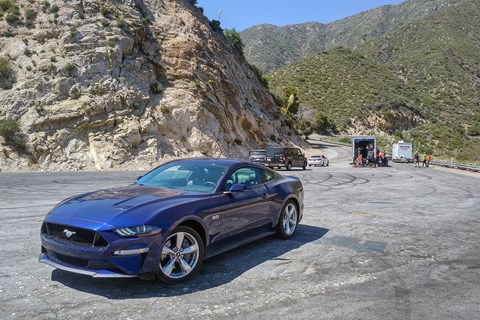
126 84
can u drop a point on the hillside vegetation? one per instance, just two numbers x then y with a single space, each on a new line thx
419 83
270 47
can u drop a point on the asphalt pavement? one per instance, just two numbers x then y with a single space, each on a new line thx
375 243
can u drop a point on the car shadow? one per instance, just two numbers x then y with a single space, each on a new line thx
214 272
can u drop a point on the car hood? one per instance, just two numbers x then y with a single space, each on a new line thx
104 208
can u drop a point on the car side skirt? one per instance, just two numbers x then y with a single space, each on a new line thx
214 251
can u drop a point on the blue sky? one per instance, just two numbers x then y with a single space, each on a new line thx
241 14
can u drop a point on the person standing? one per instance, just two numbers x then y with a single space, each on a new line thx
416 160
424 164
428 159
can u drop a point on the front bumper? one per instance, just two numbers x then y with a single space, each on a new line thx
275 164
44 258
120 258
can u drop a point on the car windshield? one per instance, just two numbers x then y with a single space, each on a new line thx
192 176
271 152
257 153
316 157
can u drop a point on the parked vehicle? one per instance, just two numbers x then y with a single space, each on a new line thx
318 160
285 157
257 156
402 152
364 150
170 220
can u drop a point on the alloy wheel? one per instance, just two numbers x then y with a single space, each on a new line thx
180 255
290 219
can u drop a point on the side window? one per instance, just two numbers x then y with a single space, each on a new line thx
247 176
267 176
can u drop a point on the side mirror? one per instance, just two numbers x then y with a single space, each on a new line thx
239 187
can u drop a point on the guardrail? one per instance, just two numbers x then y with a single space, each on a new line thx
456 166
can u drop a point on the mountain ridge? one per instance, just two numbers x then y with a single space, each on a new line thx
350 32
430 67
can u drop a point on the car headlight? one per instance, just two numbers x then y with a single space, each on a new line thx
138 231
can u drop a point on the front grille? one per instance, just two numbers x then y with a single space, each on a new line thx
71 260
85 264
73 235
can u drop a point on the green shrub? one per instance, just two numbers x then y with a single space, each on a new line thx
6 74
156 88
215 25
76 95
263 80
104 11
30 14
73 31
121 23
54 8
13 15
474 131
8 34
8 129
345 140
6 5
45 5
234 39
69 68
165 110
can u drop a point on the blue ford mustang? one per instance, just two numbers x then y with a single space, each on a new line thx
171 219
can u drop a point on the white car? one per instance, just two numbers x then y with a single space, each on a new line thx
318 160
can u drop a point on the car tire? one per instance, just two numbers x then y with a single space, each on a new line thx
289 166
287 221
176 266
304 166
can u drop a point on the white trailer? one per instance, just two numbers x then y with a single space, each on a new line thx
402 152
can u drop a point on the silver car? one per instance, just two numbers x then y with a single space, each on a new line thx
318 160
